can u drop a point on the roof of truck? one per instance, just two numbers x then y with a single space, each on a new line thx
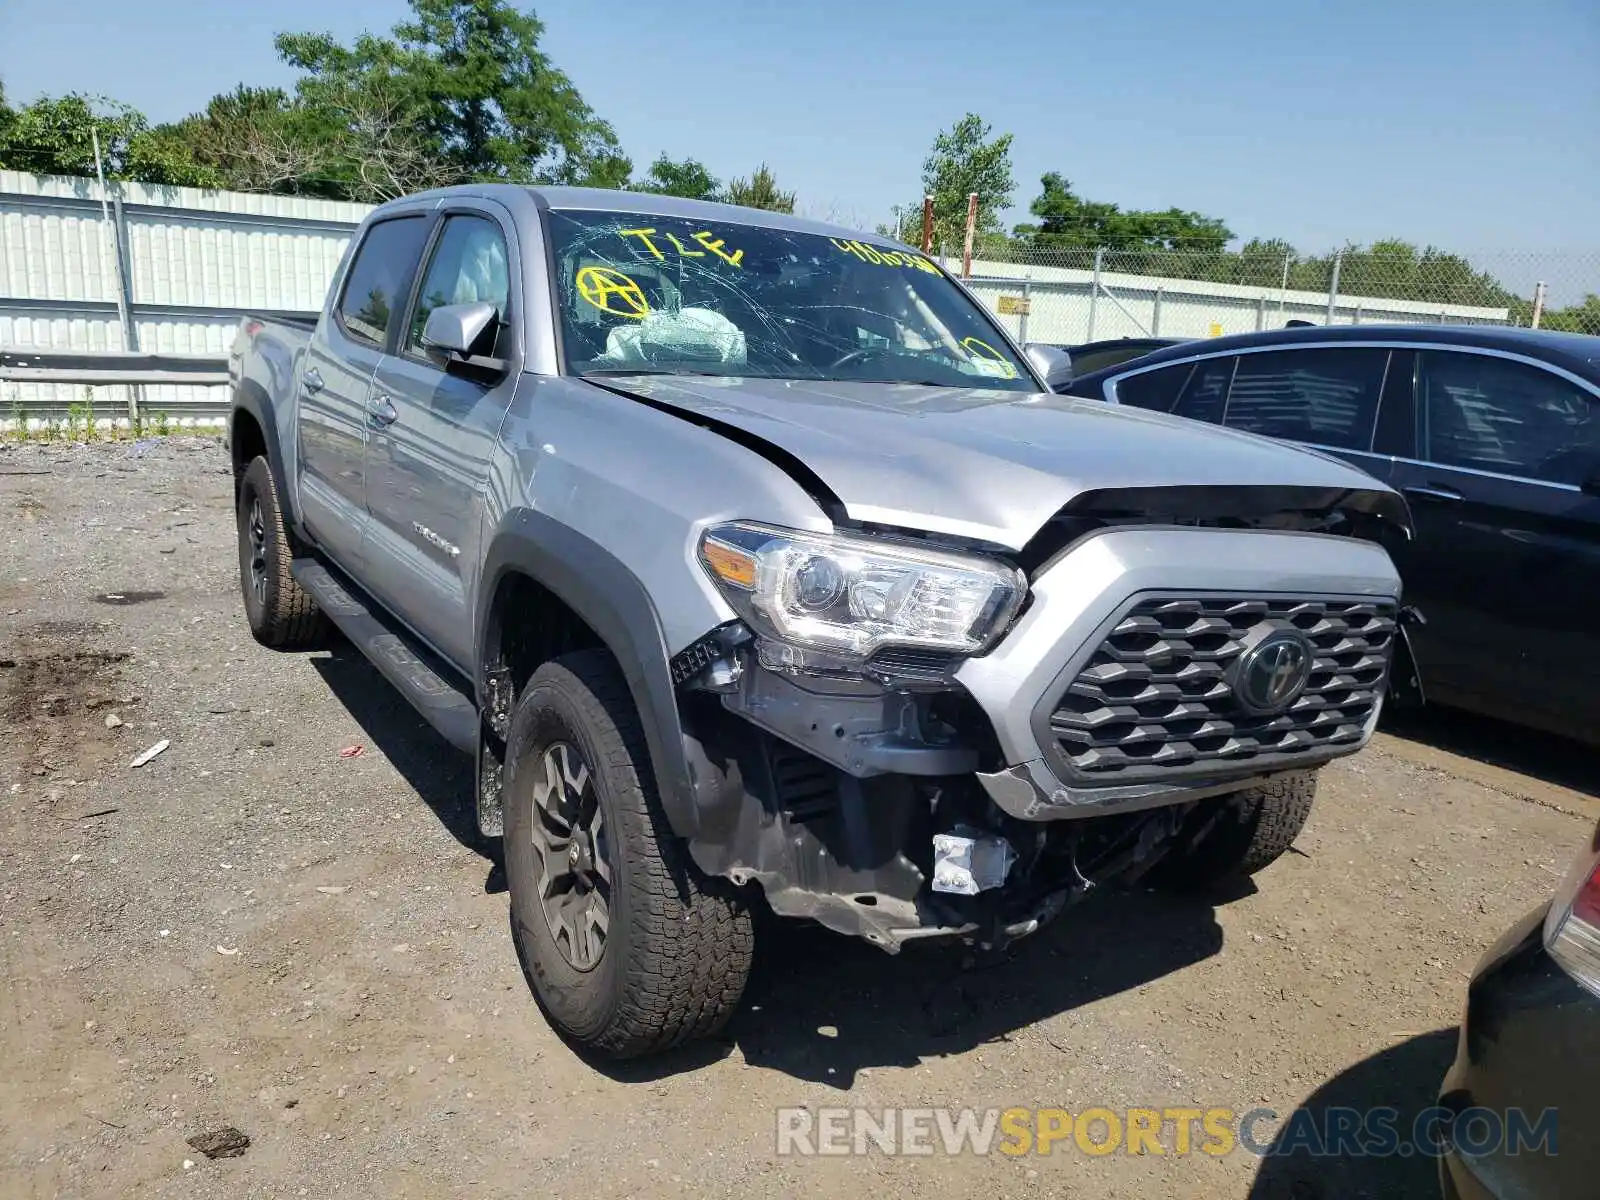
647 204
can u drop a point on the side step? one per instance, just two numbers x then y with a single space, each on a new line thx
414 669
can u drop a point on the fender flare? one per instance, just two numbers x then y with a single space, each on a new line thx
250 397
600 588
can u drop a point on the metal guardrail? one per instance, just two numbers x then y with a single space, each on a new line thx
112 366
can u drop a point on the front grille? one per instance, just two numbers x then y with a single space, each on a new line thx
1157 699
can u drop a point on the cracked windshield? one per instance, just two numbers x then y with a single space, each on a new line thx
664 295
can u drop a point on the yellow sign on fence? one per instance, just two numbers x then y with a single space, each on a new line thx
1013 306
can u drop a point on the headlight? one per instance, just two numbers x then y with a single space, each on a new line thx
847 597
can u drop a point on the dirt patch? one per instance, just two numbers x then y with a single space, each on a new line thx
54 702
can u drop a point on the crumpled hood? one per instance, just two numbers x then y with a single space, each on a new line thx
977 463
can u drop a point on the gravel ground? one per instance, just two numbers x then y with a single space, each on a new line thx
253 931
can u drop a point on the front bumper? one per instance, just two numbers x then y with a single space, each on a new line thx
1075 599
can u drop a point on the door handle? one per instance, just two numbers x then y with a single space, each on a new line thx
311 381
381 411
1442 495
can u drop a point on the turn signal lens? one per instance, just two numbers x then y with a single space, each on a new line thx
729 563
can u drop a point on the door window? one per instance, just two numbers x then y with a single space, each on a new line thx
1325 396
469 265
1205 396
1491 414
1152 389
379 275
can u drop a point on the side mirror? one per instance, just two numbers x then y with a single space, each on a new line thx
1052 363
455 329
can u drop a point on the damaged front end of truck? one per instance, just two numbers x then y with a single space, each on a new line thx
906 736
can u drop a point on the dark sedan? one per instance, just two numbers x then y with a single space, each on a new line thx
1522 1088
1493 436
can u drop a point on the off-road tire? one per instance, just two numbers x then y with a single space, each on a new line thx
678 944
282 615
1253 828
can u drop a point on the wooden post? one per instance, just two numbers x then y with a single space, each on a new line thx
972 227
927 224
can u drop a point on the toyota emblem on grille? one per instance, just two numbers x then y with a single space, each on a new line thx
1273 673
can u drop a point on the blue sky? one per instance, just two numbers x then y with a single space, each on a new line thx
1471 125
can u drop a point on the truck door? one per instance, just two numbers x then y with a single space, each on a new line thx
428 453
336 380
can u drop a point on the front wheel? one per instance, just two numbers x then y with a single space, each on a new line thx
1241 833
630 949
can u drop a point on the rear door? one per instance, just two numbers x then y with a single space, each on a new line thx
1506 561
432 432
336 380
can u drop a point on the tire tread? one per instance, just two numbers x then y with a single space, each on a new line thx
690 941
291 619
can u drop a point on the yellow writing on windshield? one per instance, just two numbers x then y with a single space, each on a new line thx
648 238
989 360
880 257
613 292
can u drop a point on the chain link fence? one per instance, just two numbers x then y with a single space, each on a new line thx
1077 294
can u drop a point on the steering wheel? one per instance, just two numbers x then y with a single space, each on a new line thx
854 356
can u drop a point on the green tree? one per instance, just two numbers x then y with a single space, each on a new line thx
1576 318
55 136
1398 270
759 191
965 158
8 116
688 179
1066 219
460 92
611 170
247 140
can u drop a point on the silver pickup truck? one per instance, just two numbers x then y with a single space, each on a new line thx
754 562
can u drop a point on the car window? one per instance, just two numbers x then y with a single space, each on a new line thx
469 265
1205 396
669 295
1326 396
1153 389
1098 358
379 275
1493 414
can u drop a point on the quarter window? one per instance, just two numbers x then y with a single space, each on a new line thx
1329 397
1205 396
1491 414
378 277
1153 389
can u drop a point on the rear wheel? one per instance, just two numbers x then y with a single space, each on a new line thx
280 613
630 949
1251 829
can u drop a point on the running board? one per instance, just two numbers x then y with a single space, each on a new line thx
409 666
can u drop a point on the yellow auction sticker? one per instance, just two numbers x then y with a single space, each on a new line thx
988 359
613 292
